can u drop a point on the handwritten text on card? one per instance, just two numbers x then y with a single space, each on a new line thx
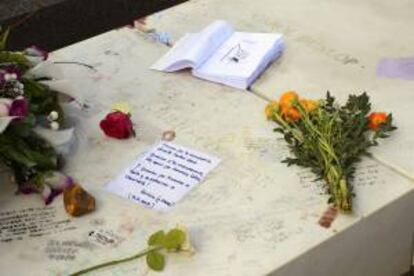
163 175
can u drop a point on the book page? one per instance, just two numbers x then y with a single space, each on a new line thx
239 56
193 49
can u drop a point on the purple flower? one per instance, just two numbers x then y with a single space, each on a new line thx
59 181
52 185
35 55
10 72
28 189
19 107
14 69
48 195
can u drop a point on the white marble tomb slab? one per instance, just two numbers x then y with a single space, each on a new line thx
251 216
333 46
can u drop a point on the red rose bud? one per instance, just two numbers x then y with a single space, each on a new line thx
117 125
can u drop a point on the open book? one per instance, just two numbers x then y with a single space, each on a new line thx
220 54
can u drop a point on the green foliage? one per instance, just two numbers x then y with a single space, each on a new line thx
330 140
172 241
157 238
7 57
3 38
21 148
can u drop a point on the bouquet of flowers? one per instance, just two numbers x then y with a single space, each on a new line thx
329 138
27 106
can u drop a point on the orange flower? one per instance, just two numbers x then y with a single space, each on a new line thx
290 114
309 105
287 99
271 108
376 119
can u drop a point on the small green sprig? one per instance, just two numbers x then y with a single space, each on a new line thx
159 243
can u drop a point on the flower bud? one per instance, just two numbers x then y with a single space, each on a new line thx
271 108
53 116
19 107
54 125
376 119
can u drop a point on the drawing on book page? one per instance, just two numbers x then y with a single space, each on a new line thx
235 54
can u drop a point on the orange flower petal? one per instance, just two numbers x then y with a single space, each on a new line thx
376 119
287 99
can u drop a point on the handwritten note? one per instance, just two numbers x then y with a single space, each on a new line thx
163 175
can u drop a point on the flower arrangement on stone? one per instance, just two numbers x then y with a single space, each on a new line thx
329 138
176 240
30 111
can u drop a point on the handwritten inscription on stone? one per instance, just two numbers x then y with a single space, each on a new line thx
65 250
31 222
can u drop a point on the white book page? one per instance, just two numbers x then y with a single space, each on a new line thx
239 57
194 49
178 57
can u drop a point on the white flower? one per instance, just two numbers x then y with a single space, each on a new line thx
5 105
54 125
53 116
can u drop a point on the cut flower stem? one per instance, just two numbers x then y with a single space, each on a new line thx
115 262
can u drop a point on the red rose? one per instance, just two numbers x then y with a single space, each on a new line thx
117 125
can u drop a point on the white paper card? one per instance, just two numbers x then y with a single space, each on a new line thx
163 175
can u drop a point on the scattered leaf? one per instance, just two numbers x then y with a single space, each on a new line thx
156 260
174 239
157 238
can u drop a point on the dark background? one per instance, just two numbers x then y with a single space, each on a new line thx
52 24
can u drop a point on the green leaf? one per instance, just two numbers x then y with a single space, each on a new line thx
157 238
174 239
156 260
3 39
15 57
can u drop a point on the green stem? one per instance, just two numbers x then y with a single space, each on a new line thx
334 175
339 189
139 255
297 134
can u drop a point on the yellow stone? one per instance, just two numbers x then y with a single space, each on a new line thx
77 201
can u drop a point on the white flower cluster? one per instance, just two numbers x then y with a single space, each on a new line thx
13 84
52 118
